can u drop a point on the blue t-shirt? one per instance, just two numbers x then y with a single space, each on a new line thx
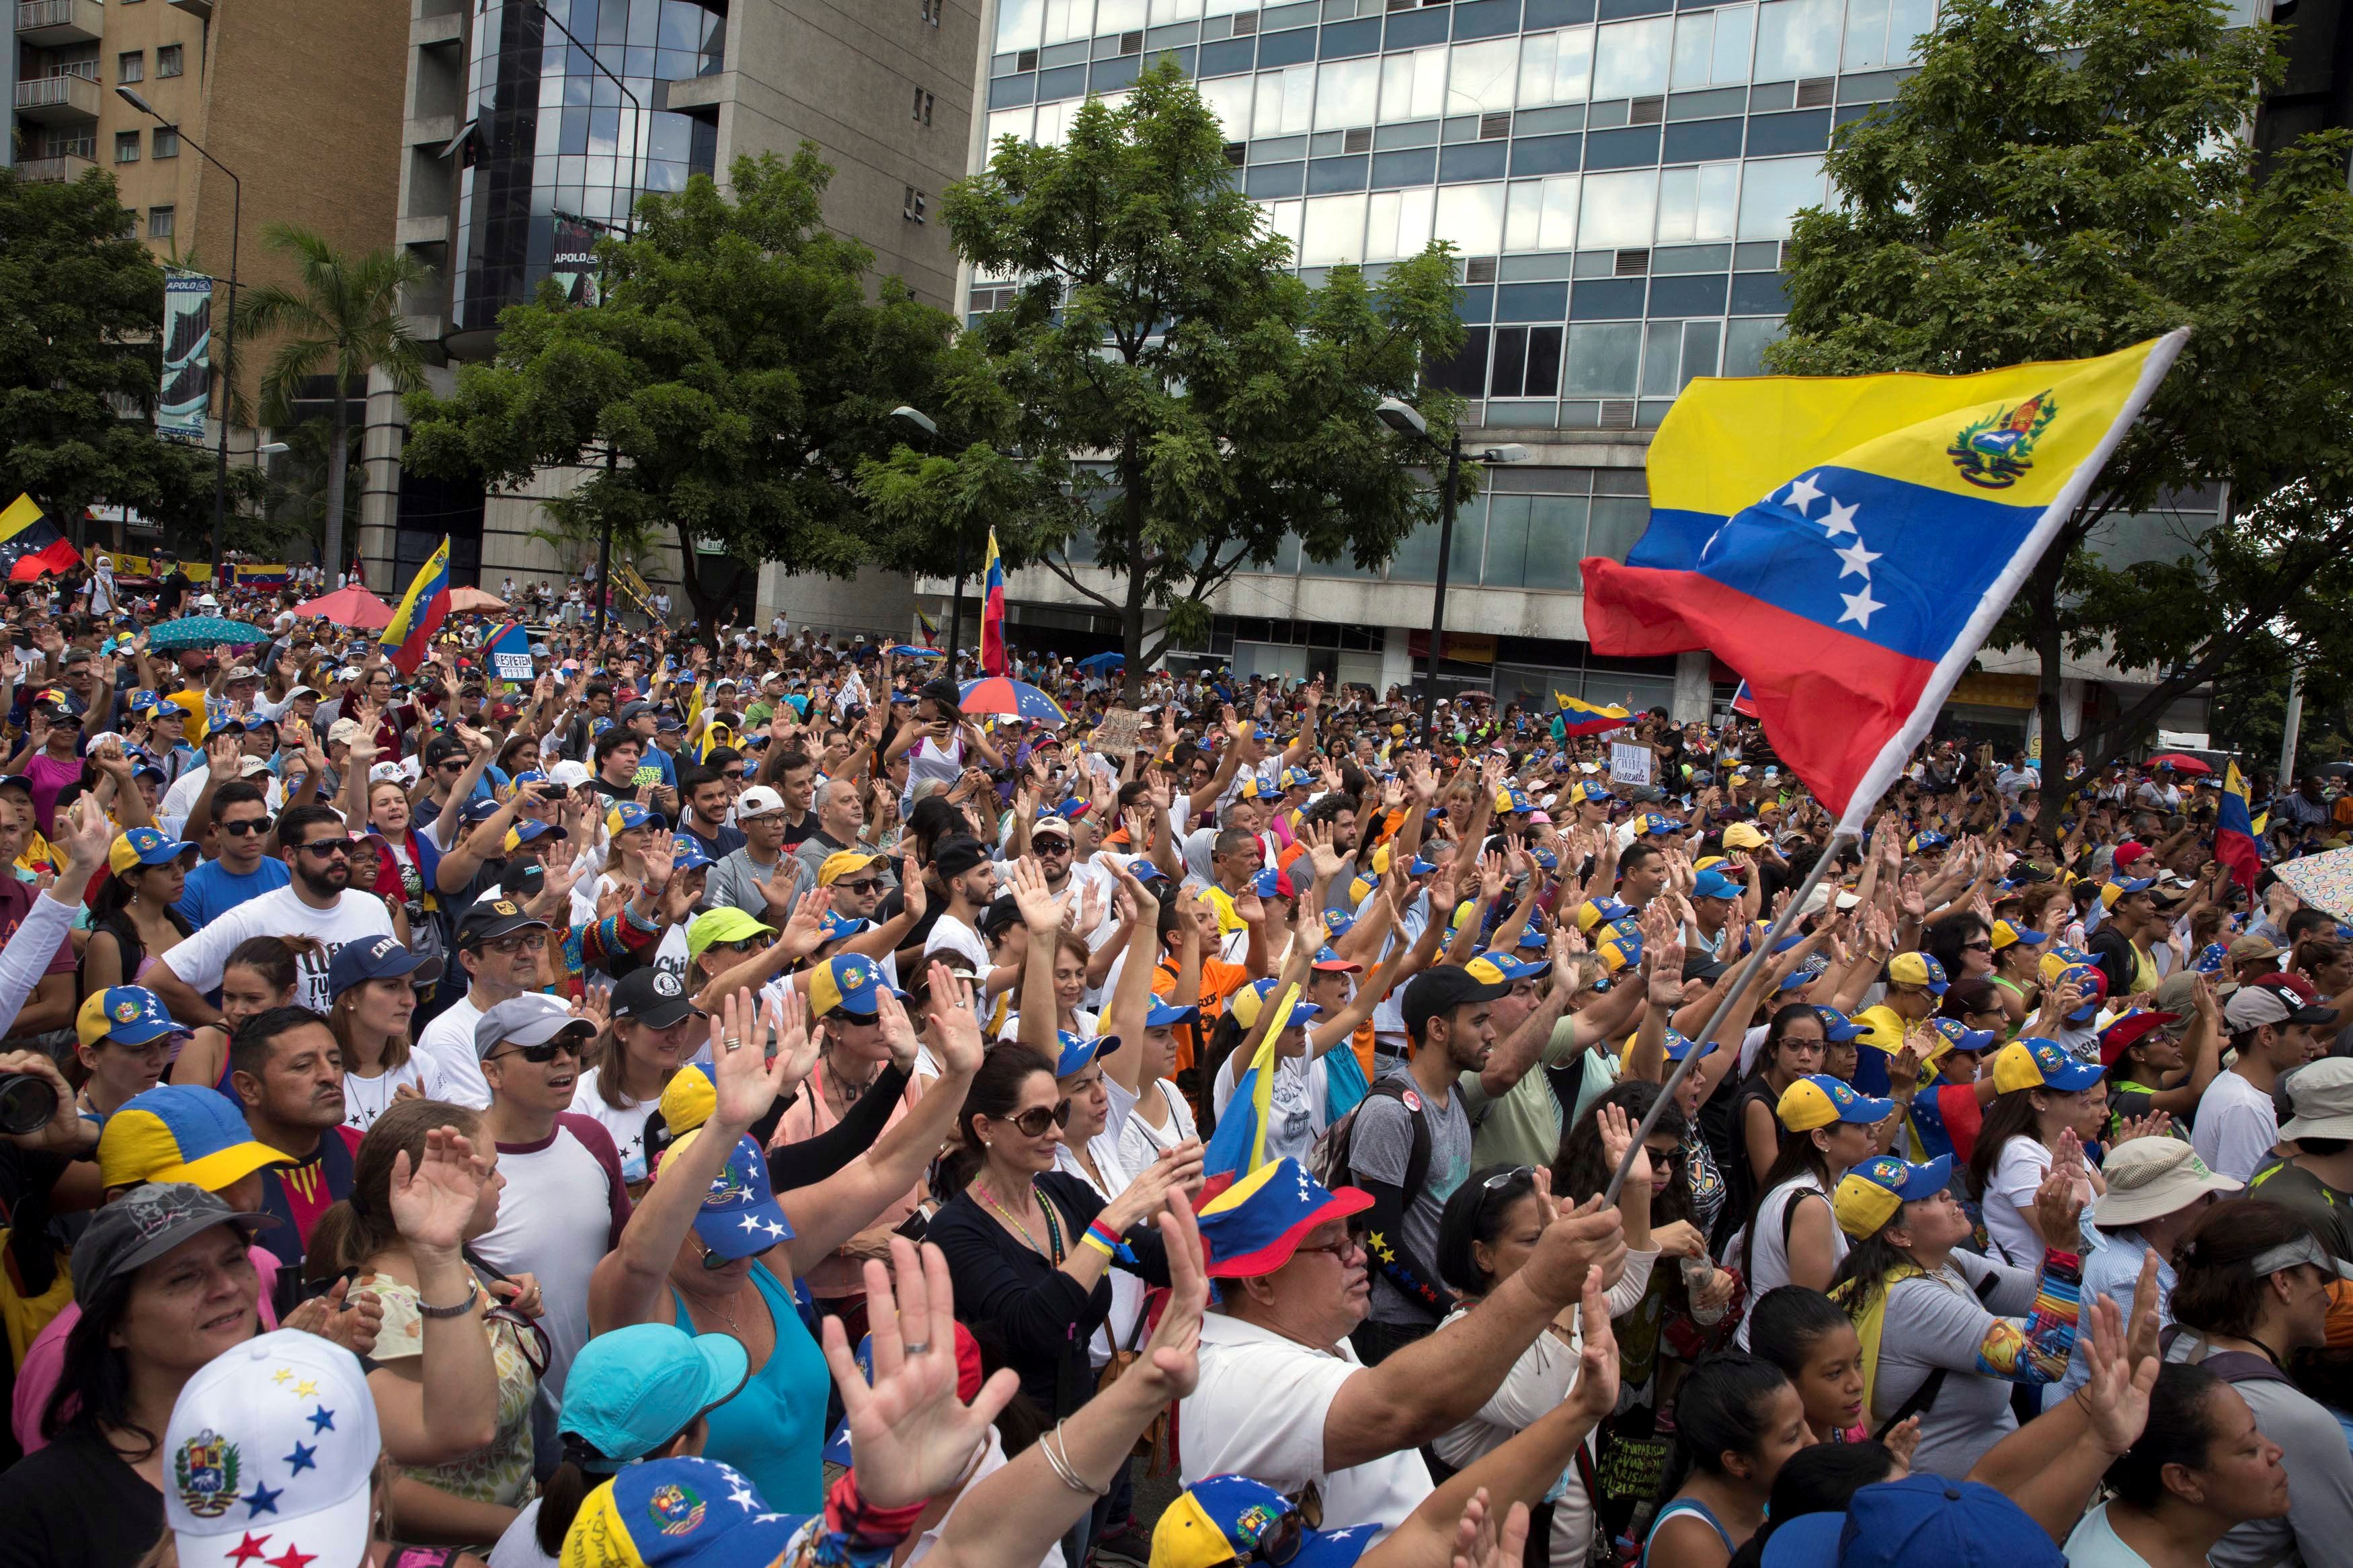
213 890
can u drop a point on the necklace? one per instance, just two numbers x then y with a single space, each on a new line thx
845 1092
1009 1217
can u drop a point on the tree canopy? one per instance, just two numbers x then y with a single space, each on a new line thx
1161 397
2063 178
736 366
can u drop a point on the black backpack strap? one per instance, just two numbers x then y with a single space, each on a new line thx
1417 1160
1924 1396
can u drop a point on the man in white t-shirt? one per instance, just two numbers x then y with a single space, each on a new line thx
970 878
502 949
1283 1397
564 1203
2271 1028
315 903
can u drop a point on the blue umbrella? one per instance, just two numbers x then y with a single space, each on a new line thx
1096 663
997 694
908 650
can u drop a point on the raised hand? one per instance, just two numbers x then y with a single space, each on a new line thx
433 1200
898 1034
955 1026
1041 910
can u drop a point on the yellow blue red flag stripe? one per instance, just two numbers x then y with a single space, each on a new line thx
420 613
1845 543
1578 717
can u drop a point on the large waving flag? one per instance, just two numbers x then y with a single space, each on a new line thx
1237 1146
30 543
420 612
1847 542
992 613
2234 831
1578 717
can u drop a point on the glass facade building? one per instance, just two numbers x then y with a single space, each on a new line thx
553 153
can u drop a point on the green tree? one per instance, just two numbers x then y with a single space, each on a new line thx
1162 392
2065 178
80 306
342 318
736 370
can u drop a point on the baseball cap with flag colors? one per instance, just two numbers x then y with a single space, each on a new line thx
181 1132
2008 935
1916 969
131 1015
145 846
1869 1195
270 1457
848 982
1254 1226
1821 1101
1235 1520
2036 1063
679 1513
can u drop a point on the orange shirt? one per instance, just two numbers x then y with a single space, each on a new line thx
1220 981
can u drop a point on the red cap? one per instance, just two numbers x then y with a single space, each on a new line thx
2127 1031
2128 852
2296 982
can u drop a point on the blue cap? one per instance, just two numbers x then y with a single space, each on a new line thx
1921 1522
1546 857
1338 924
1143 870
1962 1036
1679 1046
1836 1027
1505 966
130 1015
1077 1050
378 958
681 1513
145 846
1161 1012
1713 884
642 1385
1273 882
739 1217
2211 959
686 855
1653 823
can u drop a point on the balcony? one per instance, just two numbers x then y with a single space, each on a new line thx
50 24
61 169
57 99
202 10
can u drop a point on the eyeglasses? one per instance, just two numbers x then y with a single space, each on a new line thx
863 884
1033 1123
509 945
246 828
539 1055
732 775
327 847
1345 1250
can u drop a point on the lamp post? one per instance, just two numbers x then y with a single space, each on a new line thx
228 321
628 231
1407 420
923 423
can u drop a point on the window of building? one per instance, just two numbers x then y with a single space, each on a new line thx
911 209
923 107
167 142
126 146
131 66
932 9
168 59
159 223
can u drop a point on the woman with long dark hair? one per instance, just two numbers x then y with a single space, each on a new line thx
1738 1421
939 742
132 920
260 974
166 1283
2199 1469
1795 1040
2038 1102
1792 1238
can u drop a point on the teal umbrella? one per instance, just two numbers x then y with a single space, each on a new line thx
204 631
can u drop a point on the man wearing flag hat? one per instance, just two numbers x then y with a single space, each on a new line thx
1283 1397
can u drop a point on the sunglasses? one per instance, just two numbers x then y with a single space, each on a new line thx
328 847
248 829
863 884
747 944
530 1338
539 1055
732 775
1033 1123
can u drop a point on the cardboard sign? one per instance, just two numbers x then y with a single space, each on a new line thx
1630 764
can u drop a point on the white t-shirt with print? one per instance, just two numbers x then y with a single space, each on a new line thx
198 961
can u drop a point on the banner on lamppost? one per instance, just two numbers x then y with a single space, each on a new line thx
185 390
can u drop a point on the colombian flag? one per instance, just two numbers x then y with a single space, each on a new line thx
420 612
1847 542
2234 831
992 613
1237 1146
1578 717
30 545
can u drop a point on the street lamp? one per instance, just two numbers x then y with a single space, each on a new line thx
923 425
229 322
1407 421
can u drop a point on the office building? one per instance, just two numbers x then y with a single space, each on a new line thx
301 102
530 127
1619 178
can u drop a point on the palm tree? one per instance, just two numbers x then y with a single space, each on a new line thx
342 318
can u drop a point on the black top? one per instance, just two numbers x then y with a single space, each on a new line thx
1036 1312
76 1505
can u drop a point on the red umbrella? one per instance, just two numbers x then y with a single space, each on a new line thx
2180 763
353 607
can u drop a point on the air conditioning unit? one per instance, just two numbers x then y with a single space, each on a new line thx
1632 264
1479 269
1245 21
1818 92
1617 413
1494 126
1026 60
1357 141
1647 112
1237 152
1131 43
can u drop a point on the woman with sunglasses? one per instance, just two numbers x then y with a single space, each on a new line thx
453 1373
688 1258
131 920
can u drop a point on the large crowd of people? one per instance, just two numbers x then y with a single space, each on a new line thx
721 1100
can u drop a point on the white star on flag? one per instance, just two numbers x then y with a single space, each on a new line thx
774 1228
1802 494
1839 520
1858 608
742 1496
751 1223
1858 560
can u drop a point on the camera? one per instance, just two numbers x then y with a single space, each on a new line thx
28 1101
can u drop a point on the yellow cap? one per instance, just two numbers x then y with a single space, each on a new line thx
842 862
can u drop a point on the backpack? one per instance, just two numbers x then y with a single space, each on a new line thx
1328 1161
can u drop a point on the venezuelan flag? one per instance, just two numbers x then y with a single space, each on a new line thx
992 613
268 574
931 629
1847 542
30 543
1578 717
2235 830
420 612
1237 1146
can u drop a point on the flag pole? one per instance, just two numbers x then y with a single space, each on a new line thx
1757 957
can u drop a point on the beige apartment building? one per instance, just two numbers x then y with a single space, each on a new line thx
301 100
530 127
